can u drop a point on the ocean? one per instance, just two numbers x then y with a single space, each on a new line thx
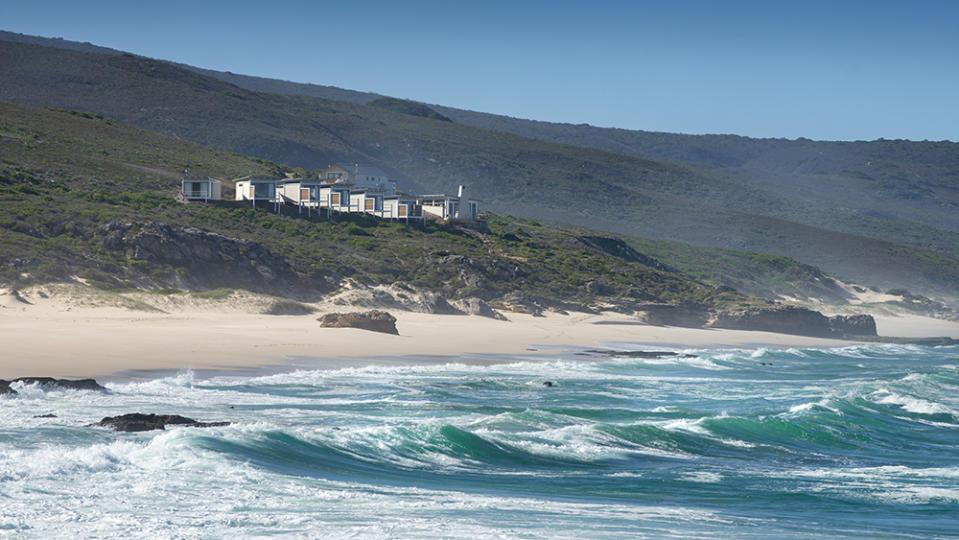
847 442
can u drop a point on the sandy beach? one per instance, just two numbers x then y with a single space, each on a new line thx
71 334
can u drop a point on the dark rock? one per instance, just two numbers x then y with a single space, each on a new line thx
5 388
636 354
149 422
853 325
68 384
476 306
598 288
434 303
685 315
206 260
781 319
519 303
641 295
620 249
548 383
795 320
374 320
48 415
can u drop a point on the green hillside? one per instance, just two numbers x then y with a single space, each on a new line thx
709 206
86 197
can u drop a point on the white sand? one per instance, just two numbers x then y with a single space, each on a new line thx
915 326
77 335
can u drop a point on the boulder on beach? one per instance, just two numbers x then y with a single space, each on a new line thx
373 320
149 422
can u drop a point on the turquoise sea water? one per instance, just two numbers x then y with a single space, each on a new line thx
857 441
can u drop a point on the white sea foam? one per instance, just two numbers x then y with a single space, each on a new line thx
824 403
920 495
702 477
234 481
911 404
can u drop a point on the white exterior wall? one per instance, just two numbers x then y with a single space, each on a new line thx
391 208
290 191
435 211
326 194
345 174
356 202
242 190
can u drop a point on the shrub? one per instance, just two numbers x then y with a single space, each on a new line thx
288 307
214 294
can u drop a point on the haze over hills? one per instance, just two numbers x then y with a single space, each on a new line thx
881 213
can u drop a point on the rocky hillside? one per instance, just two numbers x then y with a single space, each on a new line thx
877 230
87 199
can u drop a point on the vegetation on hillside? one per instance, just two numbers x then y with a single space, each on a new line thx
411 108
891 223
90 198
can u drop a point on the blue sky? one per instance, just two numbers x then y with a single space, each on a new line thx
839 70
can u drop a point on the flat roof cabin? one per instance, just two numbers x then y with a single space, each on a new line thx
257 188
441 206
195 188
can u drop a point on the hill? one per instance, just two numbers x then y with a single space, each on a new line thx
84 197
913 245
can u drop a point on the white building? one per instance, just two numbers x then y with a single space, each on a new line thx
402 207
360 176
335 197
305 194
366 201
257 188
450 207
195 188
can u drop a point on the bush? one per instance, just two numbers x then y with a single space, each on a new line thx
288 307
214 294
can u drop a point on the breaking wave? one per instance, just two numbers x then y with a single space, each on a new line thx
704 443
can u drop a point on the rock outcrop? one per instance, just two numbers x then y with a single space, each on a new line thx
619 248
373 320
476 306
519 303
795 320
50 382
853 325
150 422
685 315
197 260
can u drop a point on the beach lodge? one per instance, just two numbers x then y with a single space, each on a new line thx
358 188
197 188
257 188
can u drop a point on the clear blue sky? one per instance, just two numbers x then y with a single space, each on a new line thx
817 69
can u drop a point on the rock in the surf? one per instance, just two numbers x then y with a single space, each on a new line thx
50 382
149 422
66 384
374 320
